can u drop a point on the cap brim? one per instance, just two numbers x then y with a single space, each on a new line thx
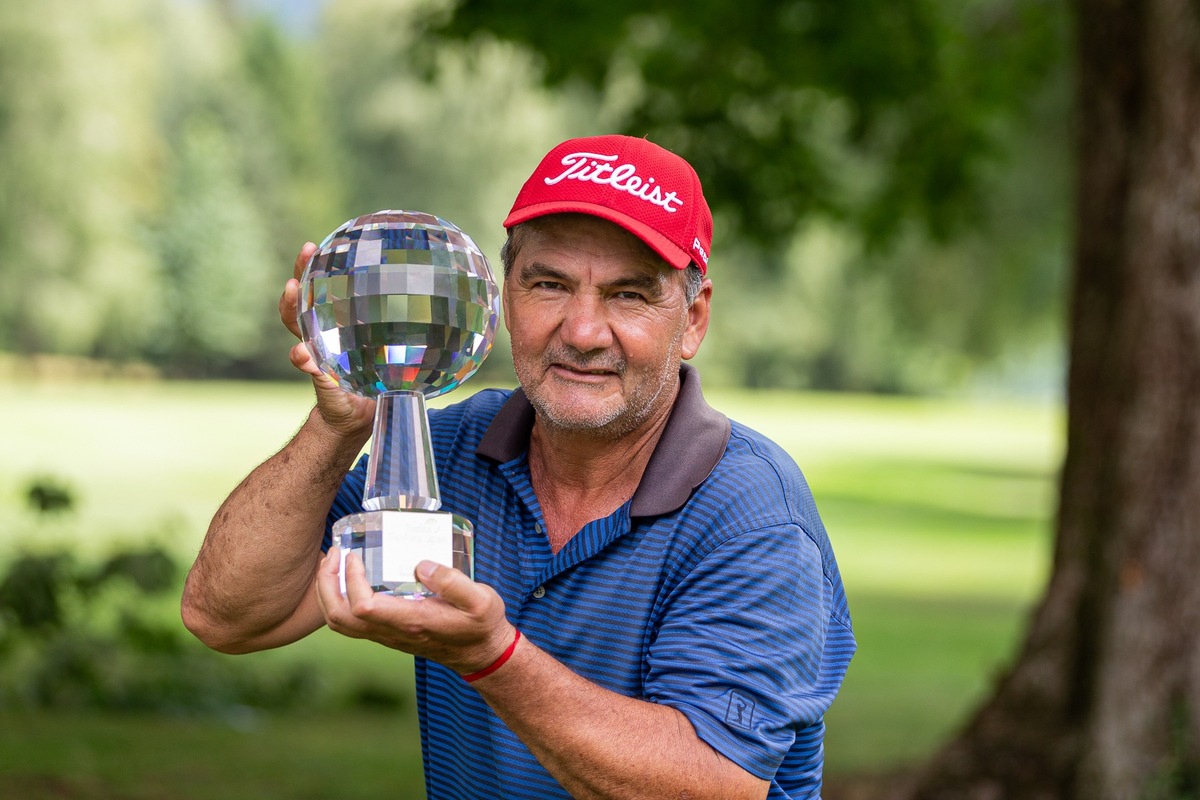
676 257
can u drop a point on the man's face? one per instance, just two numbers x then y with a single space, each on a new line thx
599 324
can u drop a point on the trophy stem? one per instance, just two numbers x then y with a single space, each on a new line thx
400 469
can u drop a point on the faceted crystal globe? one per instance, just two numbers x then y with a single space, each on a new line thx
398 301
400 306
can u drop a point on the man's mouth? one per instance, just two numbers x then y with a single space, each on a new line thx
597 364
577 370
587 370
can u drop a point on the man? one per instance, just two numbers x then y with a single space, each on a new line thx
656 609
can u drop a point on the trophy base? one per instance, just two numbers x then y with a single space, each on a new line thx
392 542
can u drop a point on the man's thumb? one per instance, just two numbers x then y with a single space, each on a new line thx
449 584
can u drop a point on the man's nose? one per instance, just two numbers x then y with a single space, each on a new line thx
585 324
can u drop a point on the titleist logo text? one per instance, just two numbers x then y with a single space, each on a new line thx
599 168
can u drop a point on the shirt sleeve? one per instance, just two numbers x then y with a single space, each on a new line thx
749 650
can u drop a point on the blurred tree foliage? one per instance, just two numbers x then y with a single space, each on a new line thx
889 178
250 177
891 175
105 636
877 110
153 165
77 159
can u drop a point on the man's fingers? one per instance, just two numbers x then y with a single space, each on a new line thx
306 251
302 360
329 591
289 300
359 593
350 614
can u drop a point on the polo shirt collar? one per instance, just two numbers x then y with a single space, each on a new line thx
690 447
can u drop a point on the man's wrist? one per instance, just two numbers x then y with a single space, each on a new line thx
348 443
498 663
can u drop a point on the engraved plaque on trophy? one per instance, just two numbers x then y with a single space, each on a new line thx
400 306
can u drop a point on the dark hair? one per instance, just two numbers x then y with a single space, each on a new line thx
693 279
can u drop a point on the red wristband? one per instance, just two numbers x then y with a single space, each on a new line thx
498 663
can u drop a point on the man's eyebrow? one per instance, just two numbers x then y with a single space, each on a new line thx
537 269
651 284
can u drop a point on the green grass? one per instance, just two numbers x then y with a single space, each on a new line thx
52 755
939 512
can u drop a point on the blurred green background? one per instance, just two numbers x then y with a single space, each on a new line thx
161 161
938 509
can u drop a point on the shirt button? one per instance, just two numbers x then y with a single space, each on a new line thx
537 526
539 592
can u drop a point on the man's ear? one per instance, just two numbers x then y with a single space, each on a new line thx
697 325
504 303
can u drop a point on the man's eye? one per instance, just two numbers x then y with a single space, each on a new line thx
548 285
632 296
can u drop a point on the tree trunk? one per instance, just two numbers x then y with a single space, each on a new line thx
1103 702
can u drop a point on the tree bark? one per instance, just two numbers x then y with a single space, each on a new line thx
1103 701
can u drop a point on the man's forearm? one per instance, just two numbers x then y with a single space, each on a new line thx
599 744
251 585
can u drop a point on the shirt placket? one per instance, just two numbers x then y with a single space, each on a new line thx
527 526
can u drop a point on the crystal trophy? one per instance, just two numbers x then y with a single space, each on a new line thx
400 306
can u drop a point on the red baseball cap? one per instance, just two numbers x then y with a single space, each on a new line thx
647 190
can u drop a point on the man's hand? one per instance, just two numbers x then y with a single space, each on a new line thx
463 626
345 413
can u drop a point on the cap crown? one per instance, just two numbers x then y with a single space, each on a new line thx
646 189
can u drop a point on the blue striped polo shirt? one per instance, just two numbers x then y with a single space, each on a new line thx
714 590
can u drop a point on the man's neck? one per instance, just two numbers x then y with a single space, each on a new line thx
580 476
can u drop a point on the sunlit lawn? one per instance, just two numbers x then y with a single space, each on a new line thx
938 511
